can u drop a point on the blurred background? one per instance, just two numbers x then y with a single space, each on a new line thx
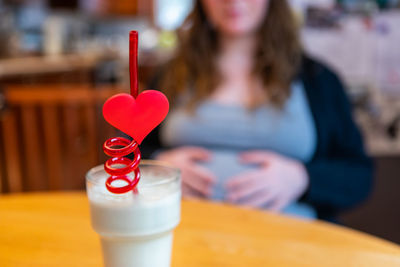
60 59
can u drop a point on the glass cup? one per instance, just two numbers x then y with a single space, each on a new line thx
136 229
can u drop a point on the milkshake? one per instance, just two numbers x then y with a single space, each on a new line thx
136 228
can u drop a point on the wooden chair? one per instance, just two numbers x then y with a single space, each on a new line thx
51 136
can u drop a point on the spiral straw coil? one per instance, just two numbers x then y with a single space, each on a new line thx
118 148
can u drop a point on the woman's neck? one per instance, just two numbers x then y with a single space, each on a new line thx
236 54
235 63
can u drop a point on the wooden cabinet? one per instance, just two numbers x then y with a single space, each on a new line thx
123 7
50 136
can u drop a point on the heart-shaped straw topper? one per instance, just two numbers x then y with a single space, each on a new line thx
136 117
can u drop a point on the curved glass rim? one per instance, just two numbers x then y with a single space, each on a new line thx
174 177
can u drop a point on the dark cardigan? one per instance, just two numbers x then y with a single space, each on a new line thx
340 172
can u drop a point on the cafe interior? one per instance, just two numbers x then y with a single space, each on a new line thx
60 60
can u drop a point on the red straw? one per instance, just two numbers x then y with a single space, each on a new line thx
118 154
133 62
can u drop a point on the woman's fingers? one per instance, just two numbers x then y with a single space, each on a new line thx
194 176
203 173
278 205
196 184
257 157
197 153
189 193
240 180
245 185
259 200
199 179
181 155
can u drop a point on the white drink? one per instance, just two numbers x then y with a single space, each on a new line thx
136 229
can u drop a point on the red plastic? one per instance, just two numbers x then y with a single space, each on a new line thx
128 147
118 173
124 189
135 115
118 156
133 62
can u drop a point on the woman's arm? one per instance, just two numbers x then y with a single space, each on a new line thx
337 184
342 176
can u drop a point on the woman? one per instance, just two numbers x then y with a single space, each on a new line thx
254 122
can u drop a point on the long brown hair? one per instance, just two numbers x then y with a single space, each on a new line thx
276 59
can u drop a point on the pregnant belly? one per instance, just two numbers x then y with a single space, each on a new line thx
225 165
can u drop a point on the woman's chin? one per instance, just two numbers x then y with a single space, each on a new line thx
238 31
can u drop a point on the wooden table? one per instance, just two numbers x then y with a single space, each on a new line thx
53 229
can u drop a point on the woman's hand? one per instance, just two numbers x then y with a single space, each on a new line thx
197 181
276 183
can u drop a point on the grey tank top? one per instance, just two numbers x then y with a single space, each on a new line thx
229 130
